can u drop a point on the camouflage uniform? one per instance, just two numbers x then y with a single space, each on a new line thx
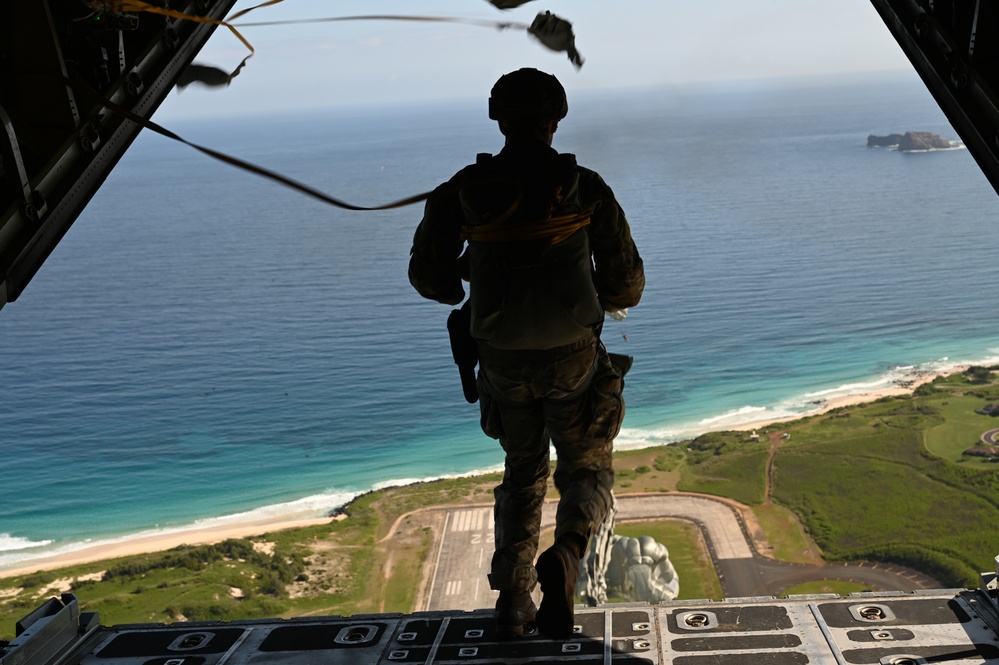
569 393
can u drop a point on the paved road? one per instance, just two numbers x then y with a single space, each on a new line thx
459 579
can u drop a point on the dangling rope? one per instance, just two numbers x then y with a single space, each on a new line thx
499 25
553 32
239 163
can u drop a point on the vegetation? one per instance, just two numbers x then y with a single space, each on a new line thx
726 464
886 481
783 532
343 568
879 482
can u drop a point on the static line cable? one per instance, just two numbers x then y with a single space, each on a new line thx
500 25
234 161
552 31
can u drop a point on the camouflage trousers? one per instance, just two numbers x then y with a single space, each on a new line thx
570 398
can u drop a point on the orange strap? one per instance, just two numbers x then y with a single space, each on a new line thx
557 229
118 6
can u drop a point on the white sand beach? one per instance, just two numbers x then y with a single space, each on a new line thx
161 542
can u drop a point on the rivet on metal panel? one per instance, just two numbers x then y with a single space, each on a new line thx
190 641
474 634
400 654
356 634
170 39
640 626
577 630
36 207
134 84
572 647
468 652
406 637
696 620
174 661
640 645
872 613
882 635
902 659
959 77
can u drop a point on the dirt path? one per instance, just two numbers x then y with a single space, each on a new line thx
775 438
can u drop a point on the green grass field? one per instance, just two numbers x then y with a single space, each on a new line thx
886 481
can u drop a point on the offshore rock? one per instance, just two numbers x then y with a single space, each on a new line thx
909 141
922 141
889 141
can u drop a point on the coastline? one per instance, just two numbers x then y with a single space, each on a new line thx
148 544
158 542
906 387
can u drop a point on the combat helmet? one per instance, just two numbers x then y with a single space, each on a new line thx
527 94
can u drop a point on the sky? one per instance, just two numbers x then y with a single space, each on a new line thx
626 44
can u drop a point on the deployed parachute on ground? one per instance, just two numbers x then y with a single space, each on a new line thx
631 569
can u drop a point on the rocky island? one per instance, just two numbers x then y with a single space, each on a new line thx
909 141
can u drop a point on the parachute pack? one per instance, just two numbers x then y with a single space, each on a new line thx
529 254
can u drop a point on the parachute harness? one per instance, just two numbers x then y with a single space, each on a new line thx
556 228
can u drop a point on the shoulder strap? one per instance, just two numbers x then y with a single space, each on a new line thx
554 227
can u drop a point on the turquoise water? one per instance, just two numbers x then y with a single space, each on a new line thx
207 347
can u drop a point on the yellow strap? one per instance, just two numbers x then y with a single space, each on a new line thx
118 6
556 229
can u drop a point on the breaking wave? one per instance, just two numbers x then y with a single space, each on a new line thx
9 543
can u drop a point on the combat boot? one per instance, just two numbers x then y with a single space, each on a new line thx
515 612
558 570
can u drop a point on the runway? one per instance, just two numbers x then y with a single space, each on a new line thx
466 545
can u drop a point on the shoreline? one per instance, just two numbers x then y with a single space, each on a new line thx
150 543
833 403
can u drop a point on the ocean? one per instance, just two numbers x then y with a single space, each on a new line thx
206 347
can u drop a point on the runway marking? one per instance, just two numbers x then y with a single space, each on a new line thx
472 520
437 560
453 588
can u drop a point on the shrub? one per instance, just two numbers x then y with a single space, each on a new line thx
949 571
37 579
978 375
